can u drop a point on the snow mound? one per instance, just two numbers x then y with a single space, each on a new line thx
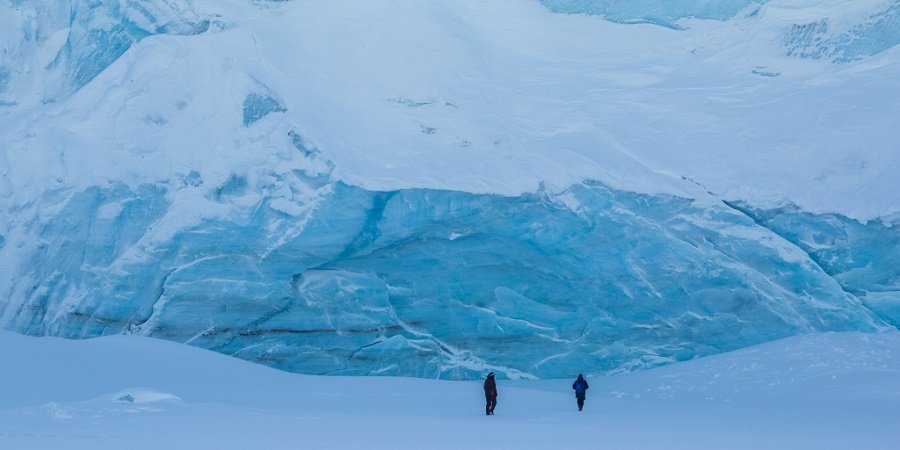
139 396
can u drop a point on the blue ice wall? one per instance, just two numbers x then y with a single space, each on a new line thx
871 36
73 262
863 257
660 12
440 283
817 39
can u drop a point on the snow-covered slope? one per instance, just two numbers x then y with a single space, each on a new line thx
468 96
437 187
814 391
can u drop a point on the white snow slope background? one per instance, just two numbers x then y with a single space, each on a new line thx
472 96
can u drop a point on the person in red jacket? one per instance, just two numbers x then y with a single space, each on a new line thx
490 394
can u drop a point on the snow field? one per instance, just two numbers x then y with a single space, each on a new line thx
834 390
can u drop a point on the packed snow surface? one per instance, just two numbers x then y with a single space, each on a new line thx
436 188
835 390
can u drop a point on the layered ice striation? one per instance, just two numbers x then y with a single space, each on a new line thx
447 284
863 257
666 13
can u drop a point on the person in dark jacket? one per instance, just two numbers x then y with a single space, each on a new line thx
581 386
490 394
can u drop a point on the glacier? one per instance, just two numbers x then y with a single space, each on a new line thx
446 188
657 12
445 284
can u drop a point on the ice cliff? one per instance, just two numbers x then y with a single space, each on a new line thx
441 189
438 283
